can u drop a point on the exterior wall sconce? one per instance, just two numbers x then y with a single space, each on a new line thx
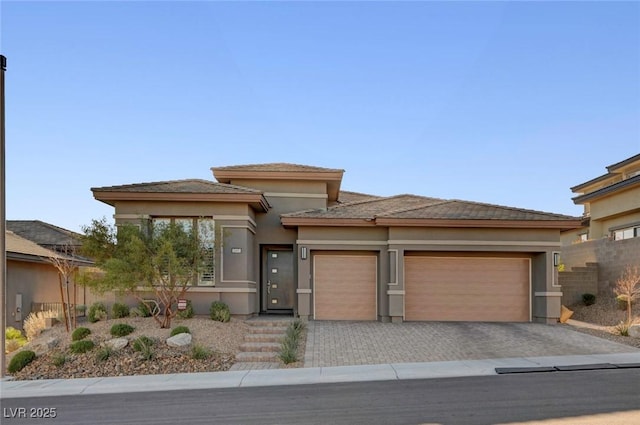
556 259
303 253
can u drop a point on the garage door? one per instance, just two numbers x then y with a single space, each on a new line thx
345 287
467 289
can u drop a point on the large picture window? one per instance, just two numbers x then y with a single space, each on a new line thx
205 228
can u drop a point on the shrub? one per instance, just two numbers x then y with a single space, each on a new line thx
622 328
82 346
219 311
81 309
36 322
588 299
180 330
12 333
120 310
144 310
97 312
188 312
141 342
20 360
80 333
121 329
199 352
104 353
59 359
13 339
289 346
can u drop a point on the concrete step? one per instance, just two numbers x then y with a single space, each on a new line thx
268 330
264 322
264 356
263 338
260 347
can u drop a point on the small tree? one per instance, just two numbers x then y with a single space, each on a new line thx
164 260
628 287
66 265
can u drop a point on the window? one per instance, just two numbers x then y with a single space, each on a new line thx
626 233
206 235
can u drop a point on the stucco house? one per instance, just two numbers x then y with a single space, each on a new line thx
32 281
294 242
610 231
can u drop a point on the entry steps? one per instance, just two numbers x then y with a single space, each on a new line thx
262 344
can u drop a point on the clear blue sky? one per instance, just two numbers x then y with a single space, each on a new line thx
508 103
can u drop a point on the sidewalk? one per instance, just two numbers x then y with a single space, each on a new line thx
315 375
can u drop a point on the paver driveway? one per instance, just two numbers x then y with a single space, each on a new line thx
355 343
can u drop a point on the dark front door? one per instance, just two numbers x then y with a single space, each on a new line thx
279 285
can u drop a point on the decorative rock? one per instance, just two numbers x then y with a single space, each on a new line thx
45 345
179 340
634 331
117 343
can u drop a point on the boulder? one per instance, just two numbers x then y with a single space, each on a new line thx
116 343
634 331
44 345
179 340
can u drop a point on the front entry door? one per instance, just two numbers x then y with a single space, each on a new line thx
279 286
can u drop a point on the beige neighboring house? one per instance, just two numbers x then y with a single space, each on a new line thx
610 231
32 281
295 243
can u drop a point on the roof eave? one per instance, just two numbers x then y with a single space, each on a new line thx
256 200
609 190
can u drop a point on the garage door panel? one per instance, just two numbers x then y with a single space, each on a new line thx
345 287
467 289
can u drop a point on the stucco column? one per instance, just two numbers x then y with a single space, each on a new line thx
395 284
303 287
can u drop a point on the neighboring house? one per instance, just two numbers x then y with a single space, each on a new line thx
32 281
610 231
293 242
611 204
46 235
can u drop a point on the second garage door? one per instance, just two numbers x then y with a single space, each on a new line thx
345 287
467 289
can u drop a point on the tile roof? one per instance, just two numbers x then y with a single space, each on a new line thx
346 197
466 210
366 209
278 167
179 186
18 245
43 233
420 207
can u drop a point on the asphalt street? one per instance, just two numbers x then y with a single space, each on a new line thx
469 400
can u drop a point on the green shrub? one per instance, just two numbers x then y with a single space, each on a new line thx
141 342
104 353
288 351
622 328
97 312
290 343
219 311
20 360
588 299
121 329
180 330
120 310
199 352
188 312
12 333
59 359
144 310
82 346
13 339
81 309
146 350
80 333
